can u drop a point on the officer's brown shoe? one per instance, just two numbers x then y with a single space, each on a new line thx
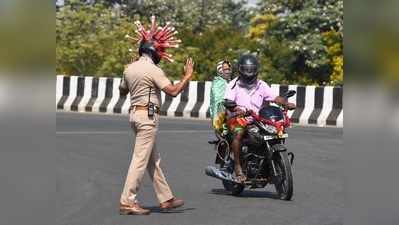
172 203
133 209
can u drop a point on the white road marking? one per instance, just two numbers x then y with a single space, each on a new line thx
115 95
125 132
87 94
309 106
73 87
292 99
207 100
192 99
102 86
327 106
340 119
58 91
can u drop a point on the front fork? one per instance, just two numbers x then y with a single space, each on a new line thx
291 155
271 161
270 153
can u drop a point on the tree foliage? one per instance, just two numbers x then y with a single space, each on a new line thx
297 41
90 40
301 26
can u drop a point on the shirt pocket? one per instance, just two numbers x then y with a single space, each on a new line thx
257 100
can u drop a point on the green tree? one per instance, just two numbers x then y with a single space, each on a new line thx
333 41
280 6
300 27
90 34
207 48
90 40
199 15
259 25
297 41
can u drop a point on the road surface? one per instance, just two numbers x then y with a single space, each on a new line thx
94 151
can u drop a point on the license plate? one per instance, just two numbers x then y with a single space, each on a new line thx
271 137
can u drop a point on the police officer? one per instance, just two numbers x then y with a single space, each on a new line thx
145 80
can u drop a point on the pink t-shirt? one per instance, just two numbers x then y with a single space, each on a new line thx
249 99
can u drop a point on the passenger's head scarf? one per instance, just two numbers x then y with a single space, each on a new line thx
219 70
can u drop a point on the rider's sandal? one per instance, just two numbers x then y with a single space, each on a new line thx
241 178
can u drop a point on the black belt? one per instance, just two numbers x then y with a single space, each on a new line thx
143 107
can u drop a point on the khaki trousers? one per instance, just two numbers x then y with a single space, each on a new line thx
145 157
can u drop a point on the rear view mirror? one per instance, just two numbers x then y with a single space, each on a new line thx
289 93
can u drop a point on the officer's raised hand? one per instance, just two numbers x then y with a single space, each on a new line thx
175 89
188 69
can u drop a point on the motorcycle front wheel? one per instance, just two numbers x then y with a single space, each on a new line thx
284 182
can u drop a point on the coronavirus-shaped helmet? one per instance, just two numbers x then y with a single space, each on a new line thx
155 40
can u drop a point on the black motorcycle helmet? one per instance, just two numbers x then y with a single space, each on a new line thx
271 113
248 66
147 47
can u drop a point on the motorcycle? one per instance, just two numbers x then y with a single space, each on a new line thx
264 156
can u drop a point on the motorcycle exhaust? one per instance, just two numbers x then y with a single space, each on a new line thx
219 174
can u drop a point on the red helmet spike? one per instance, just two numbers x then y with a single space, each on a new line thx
132 39
168 59
167 32
161 37
157 32
166 38
164 54
174 41
165 28
153 25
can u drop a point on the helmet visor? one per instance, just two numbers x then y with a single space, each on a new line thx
248 70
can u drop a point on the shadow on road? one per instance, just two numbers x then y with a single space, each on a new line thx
156 209
247 193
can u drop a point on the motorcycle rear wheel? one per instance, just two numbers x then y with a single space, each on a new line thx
284 186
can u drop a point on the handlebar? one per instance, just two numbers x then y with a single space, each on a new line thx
289 93
286 107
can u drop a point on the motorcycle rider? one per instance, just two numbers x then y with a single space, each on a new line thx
249 93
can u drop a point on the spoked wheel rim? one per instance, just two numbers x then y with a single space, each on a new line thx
282 182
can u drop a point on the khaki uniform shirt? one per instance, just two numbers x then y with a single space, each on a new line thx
139 77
